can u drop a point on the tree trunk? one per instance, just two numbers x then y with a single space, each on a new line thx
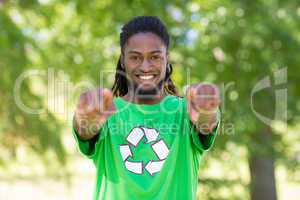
262 170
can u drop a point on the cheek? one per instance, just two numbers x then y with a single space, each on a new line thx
128 70
128 74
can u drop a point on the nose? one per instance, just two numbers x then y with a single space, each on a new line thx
145 66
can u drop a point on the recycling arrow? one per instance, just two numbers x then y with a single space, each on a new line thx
159 147
125 151
151 134
154 166
161 150
135 136
135 167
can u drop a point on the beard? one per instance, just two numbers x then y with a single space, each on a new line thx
148 93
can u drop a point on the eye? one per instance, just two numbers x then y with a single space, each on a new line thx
155 57
134 57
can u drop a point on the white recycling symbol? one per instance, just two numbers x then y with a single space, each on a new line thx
159 147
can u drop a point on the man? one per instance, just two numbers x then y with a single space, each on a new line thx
146 141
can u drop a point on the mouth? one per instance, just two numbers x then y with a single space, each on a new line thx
144 77
147 84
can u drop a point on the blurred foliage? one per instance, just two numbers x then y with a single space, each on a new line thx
39 132
233 43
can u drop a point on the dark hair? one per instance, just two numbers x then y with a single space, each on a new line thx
137 25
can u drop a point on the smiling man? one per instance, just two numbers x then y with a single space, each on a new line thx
146 141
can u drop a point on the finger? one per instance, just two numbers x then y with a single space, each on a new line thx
98 98
102 99
109 111
200 94
213 90
92 101
193 113
82 100
207 106
191 92
107 97
196 96
108 102
207 95
207 90
82 104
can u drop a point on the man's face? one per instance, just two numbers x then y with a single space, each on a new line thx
145 58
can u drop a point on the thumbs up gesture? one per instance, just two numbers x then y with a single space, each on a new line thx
203 100
92 110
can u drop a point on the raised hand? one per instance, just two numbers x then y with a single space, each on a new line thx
92 110
203 100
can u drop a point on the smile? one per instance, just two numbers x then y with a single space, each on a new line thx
145 77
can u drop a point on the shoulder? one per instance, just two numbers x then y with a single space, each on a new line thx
172 102
175 99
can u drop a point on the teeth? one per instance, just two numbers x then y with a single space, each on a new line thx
146 77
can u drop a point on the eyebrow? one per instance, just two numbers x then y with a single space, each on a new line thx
137 52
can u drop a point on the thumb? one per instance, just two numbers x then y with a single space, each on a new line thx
109 107
191 93
107 97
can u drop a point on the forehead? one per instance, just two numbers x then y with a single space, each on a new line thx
144 43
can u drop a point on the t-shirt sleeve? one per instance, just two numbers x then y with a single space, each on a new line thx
91 147
205 142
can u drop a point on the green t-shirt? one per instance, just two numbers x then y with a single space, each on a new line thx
147 152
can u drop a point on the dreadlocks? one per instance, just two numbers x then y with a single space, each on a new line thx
136 25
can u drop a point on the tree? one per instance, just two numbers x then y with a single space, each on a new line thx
237 43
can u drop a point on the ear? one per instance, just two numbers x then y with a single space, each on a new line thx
122 60
168 62
167 56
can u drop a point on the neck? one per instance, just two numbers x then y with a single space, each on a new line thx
132 97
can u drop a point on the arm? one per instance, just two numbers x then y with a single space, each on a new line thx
203 102
93 109
204 116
